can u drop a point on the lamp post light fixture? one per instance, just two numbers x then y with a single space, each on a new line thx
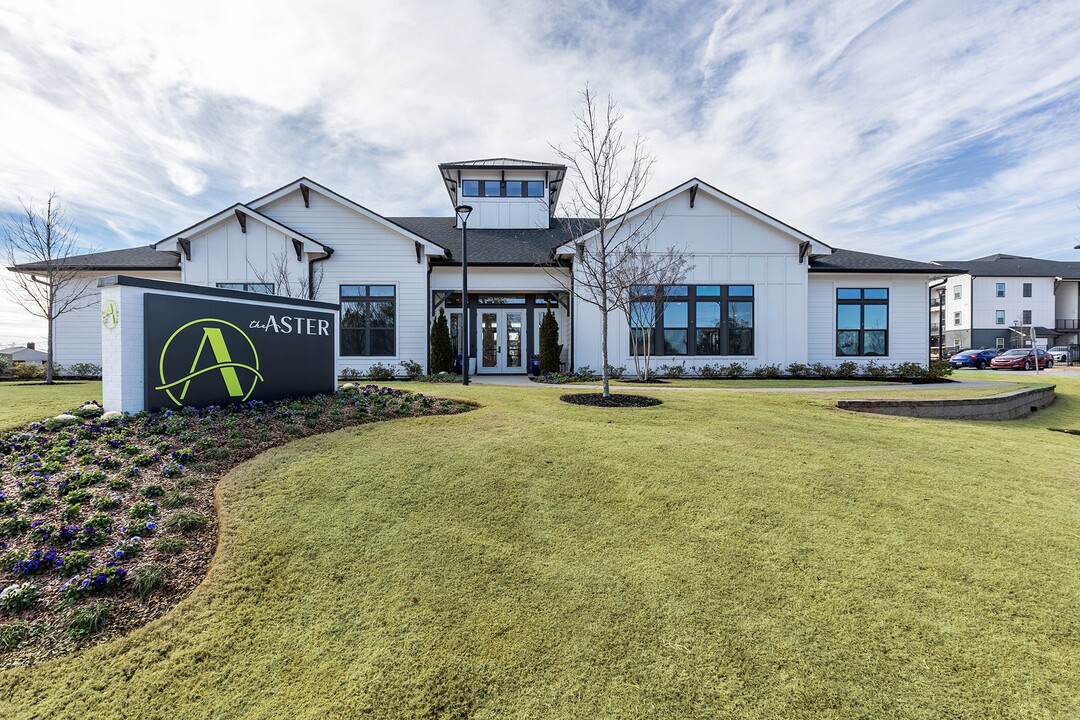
463 212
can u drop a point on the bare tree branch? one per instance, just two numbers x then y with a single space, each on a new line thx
608 179
41 246
281 274
642 282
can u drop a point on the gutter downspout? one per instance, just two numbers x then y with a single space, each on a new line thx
311 271
430 320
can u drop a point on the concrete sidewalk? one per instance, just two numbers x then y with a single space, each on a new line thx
524 381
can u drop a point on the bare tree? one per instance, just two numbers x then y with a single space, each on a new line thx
40 246
280 273
609 176
642 284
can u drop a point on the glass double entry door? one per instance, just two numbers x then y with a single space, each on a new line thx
501 335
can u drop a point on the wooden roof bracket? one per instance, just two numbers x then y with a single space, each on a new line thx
419 253
693 195
242 218
305 191
298 246
185 245
804 250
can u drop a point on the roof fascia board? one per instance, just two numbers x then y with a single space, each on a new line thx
231 213
816 246
430 248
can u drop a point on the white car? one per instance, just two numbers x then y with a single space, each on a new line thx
1060 353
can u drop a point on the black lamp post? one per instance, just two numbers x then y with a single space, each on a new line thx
463 212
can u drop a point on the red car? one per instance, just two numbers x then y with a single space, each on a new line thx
1021 359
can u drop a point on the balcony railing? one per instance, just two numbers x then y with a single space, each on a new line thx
1065 324
935 302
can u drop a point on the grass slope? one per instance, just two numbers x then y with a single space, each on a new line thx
22 403
722 555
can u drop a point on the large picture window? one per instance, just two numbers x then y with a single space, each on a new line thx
862 321
368 320
693 320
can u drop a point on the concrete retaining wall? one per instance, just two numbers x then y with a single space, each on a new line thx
1008 406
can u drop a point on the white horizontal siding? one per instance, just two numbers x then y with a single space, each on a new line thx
909 306
508 280
365 253
77 334
985 303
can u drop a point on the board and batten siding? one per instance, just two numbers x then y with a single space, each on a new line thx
506 212
77 334
909 310
365 253
226 254
727 247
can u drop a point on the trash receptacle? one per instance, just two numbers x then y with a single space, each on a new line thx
534 364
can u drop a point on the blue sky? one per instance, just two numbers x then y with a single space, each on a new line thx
928 130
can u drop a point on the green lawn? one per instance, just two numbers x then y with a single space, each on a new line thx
747 384
22 403
939 391
723 555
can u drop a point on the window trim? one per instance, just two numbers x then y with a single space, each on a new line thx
958 292
482 188
999 317
691 298
366 298
999 290
861 302
1027 289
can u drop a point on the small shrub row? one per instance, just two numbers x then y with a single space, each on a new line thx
582 374
820 371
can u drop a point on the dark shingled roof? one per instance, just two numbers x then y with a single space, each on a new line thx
497 247
136 258
852 262
1000 265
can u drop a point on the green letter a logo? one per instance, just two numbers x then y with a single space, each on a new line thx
222 359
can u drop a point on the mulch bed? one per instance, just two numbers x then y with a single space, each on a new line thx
614 400
89 486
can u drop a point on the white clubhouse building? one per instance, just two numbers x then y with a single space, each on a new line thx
760 292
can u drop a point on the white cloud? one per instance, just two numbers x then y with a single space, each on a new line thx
147 117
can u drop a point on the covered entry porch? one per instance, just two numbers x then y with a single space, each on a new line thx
504 328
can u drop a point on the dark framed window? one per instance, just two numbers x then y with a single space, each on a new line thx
862 322
1027 289
999 317
1027 317
956 318
368 320
499 188
695 319
676 320
261 288
1000 289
